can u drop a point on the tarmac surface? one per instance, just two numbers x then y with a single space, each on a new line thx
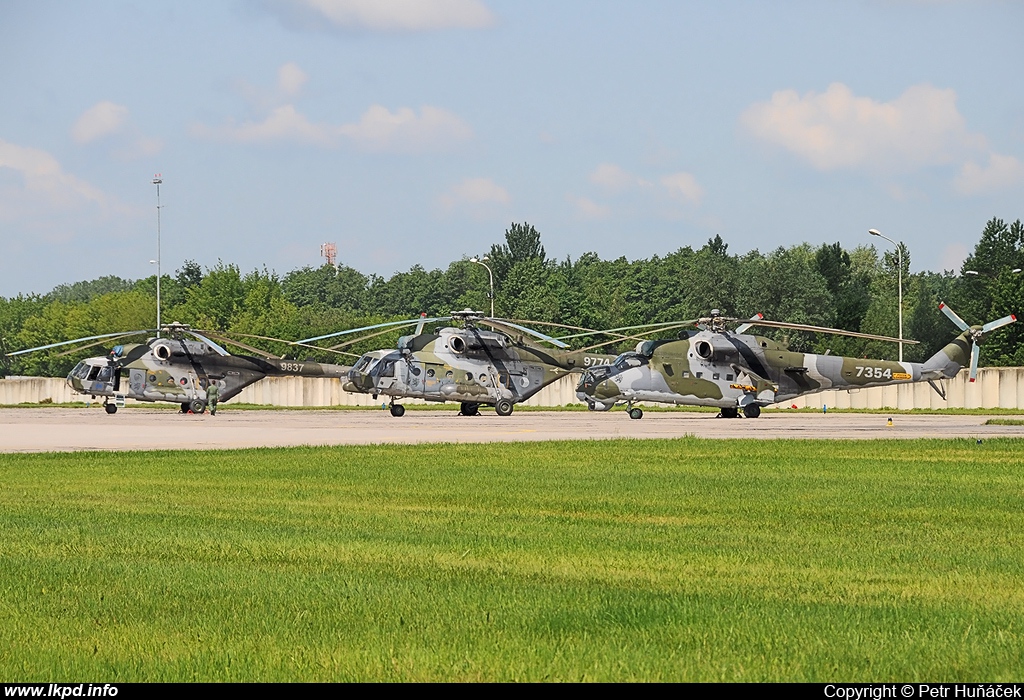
143 428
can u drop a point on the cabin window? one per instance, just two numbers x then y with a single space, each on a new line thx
469 376
729 377
699 375
430 373
93 371
448 374
715 375
388 370
686 375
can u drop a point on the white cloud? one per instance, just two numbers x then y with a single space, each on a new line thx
683 186
379 130
614 179
589 209
474 192
109 121
836 129
43 177
381 15
102 119
404 131
1001 172
290 79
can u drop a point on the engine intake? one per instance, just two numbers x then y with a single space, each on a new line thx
715 350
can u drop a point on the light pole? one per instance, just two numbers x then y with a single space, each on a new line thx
157 181
490 275
899 251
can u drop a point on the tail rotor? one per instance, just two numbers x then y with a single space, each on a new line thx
977 333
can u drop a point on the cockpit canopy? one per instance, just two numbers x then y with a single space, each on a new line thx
92 369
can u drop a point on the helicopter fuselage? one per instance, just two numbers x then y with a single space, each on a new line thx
466 365
732 370
179 371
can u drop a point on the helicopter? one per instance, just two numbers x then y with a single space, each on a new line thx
175 368
738 372
468 364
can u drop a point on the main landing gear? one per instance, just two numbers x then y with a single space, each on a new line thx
110 408
503 407
636 413
397 410
751 410
468 408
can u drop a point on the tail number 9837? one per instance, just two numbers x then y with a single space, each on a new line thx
291 367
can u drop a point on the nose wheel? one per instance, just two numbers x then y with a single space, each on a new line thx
503 407
636 413
751 410
110 408
397 410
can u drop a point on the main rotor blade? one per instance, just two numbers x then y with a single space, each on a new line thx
317 347
632 337
540 336
823 329
220 351
746 326
370 328
998 323
123 334
653 326
957 321
244 346
975 352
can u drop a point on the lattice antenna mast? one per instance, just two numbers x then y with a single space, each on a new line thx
329 251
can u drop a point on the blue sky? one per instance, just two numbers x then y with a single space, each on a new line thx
416 131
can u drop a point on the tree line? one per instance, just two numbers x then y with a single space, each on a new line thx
827 285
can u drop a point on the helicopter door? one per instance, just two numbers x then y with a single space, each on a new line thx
136 381
386 377
414 376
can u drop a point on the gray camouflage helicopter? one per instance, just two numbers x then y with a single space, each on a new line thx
176 369
738 372
467 364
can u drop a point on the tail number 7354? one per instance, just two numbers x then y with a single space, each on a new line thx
874 372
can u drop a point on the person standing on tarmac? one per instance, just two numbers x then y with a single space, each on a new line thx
212 393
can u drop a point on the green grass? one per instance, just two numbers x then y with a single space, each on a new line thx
683 560
1004 421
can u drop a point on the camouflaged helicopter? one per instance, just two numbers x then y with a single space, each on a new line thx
467 364
738 372
175 369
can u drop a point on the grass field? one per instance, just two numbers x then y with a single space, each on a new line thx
684 560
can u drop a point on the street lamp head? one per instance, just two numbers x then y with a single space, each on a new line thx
874 232
152 262
1015 270
972 272
485 258
473 260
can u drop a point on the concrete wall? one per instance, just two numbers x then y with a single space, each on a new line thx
997 387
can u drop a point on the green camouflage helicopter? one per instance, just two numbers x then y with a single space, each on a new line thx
176 369
467 364
736 372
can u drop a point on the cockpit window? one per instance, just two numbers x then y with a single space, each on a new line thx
362 363
628 360
93 373
81 371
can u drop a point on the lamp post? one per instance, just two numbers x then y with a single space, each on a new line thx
490 275
899 251
157 181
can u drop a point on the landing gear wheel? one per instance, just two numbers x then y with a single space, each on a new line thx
751 410
197 406
730 413
397 410
468 408
184 407
110 408
503 407
636 413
